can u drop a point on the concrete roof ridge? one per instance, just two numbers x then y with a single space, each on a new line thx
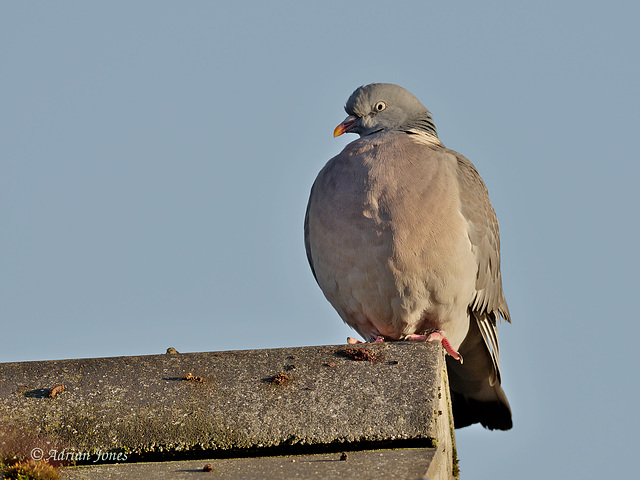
232 403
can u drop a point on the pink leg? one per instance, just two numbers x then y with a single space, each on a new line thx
433 336
437 335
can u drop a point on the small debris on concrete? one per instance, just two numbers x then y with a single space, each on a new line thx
172 351
207 468
279 379
290 367
56 390
358 354
190 377
329 364
344 457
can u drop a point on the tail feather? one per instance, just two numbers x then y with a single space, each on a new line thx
476 394
494 415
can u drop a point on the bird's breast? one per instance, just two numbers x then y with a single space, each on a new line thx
388 241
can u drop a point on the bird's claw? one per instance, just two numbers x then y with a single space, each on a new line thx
432 337
435 336
354 341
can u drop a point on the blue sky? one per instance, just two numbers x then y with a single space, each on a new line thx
157 159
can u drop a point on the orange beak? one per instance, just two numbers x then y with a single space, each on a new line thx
346 126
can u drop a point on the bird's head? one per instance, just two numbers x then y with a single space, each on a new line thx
383 107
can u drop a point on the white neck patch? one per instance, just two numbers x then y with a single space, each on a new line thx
425 138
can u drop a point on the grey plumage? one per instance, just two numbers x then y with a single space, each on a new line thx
402 239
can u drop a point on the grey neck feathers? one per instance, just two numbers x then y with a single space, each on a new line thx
424 123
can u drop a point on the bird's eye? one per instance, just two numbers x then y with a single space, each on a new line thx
380 106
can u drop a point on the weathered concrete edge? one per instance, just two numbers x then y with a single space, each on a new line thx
373 465
412 357
444 465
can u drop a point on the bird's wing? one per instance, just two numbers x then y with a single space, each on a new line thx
488 302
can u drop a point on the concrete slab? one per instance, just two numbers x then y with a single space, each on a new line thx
412 463
303 400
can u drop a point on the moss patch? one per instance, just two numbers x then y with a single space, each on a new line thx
30 470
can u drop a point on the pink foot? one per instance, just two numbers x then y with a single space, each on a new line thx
433 336
353 341
415 338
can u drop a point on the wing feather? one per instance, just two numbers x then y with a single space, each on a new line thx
488 303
